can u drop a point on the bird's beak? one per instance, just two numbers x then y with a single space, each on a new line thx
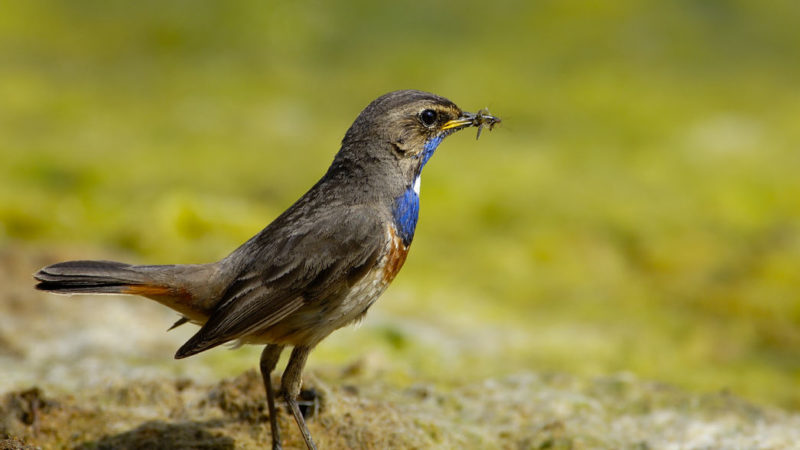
480 119
466 120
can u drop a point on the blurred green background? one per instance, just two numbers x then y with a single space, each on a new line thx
638 210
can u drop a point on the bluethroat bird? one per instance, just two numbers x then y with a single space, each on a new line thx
316 268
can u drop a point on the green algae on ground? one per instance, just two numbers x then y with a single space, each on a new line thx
638 210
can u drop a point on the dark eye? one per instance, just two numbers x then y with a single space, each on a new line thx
428 117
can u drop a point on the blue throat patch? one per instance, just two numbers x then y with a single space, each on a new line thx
406 206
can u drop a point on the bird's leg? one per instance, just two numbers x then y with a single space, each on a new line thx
269 359
291 382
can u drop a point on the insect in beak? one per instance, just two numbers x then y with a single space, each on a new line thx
480 119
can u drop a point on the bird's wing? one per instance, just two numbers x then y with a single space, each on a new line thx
290 266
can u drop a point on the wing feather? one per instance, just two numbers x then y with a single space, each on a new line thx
286 268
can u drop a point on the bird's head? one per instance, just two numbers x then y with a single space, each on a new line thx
402 129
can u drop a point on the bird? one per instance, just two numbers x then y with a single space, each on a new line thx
318 266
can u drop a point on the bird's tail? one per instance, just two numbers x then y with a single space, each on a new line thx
189 289
92 277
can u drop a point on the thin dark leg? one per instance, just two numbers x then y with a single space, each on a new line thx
291 382
269 359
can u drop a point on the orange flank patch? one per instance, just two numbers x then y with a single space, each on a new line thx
396 257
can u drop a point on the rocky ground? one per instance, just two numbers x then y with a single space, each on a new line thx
522 411
68 384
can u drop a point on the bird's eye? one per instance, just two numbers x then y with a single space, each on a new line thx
428 117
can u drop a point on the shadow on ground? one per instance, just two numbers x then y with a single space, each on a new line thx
159 435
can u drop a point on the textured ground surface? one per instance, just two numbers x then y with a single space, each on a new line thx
523 411
86 373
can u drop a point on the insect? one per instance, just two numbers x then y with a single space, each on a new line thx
483 119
